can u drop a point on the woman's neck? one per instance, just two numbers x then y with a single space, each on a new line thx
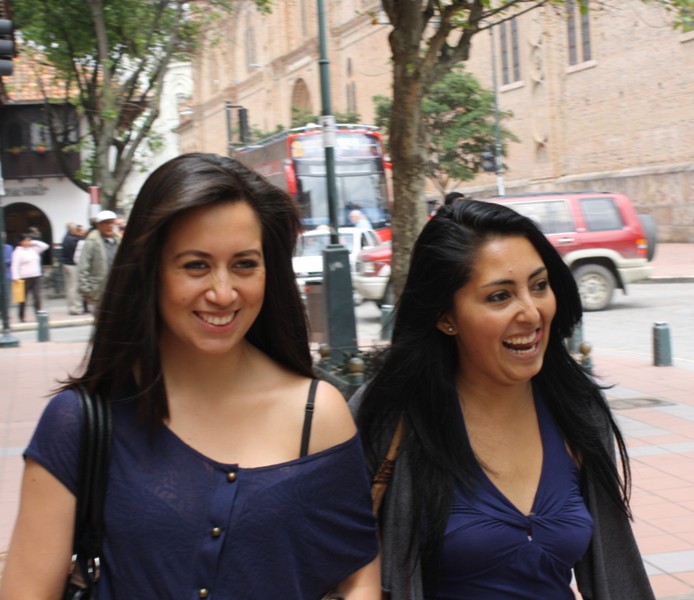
203 370
492 400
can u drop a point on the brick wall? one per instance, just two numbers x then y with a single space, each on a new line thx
622 121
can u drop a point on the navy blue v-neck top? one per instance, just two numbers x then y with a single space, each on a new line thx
492 551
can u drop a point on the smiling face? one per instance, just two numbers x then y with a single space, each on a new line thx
212 278
501 318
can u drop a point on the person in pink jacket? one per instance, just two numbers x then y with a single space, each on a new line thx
26 265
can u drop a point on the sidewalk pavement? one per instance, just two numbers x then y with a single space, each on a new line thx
653 405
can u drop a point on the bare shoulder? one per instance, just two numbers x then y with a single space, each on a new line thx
287 392
332 420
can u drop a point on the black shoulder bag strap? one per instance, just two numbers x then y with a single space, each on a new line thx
308 418
95 447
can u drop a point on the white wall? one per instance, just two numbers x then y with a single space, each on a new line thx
178 87
58 198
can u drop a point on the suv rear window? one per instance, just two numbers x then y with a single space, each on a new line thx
551 216
601 214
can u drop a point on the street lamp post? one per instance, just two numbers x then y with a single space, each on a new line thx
230 142
497 127
337 280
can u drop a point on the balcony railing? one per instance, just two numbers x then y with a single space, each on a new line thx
22 164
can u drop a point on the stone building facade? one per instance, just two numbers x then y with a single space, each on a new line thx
602 101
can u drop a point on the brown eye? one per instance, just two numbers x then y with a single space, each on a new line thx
541 285
195 265
246 264
497 297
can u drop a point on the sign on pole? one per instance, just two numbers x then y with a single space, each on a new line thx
327 122
94 201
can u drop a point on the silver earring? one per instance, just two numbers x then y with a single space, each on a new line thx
450 329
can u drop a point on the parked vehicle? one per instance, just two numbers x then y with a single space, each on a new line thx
604 241
371 275
308 256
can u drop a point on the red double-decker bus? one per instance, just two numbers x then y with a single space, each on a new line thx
294 160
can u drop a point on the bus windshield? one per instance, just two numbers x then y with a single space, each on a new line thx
294 160
359 179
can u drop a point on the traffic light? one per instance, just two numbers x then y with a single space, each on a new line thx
6 47
489 159
244 132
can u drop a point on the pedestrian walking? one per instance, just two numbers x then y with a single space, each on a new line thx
26 266
506 482
96 257
234 473
73 236
7 273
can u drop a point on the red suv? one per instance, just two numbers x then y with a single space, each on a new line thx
600 236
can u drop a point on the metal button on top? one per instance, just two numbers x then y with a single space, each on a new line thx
203 593
231 477
216 532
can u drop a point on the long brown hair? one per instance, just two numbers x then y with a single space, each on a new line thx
127 325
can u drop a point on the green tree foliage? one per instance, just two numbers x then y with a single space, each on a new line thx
301 117
459 124
108 58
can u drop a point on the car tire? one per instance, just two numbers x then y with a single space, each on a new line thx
650 229
595 285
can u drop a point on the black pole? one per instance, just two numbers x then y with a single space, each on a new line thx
7 340
328 124
337 278
499 167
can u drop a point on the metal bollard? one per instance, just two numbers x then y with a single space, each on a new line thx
576 338
355 366
386 321
42 318
662 350
586 359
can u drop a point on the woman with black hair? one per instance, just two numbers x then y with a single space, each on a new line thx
506 479
217 488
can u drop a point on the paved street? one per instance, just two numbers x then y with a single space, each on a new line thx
654 405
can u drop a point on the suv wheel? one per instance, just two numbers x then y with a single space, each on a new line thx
651 231
595 285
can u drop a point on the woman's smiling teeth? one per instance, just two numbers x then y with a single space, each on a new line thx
217 320
523 344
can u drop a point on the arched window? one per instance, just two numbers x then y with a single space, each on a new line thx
301 97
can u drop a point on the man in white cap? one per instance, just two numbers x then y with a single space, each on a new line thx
96 256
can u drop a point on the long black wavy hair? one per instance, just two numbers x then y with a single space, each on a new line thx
417 374
126 332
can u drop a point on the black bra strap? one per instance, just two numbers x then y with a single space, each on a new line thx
308 417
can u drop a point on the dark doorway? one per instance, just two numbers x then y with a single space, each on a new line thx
19 217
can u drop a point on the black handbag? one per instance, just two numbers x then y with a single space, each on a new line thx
95 446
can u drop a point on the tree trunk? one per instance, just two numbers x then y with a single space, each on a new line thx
409 206
407 156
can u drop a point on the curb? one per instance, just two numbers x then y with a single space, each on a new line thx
668 279
32 325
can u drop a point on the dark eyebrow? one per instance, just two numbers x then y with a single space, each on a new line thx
534 274
200 254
